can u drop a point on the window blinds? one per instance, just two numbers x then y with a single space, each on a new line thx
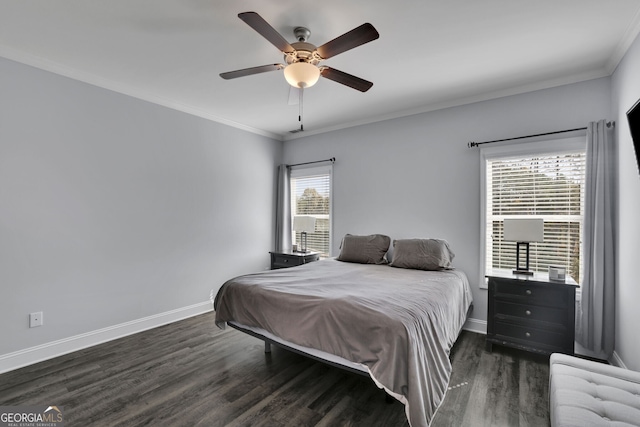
550 187
311 195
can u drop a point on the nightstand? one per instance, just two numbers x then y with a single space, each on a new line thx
531 313
291 259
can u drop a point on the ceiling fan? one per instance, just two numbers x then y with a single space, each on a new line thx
303 69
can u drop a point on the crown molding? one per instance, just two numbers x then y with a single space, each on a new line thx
625 43
502 93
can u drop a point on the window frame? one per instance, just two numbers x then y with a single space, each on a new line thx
537 148
309 171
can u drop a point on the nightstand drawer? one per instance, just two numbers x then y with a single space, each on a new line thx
531 312
530 335
530 293
282 261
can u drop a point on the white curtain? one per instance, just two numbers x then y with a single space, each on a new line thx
595 322
283 209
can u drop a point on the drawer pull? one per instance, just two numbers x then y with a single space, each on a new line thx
527 312
528 292
527 334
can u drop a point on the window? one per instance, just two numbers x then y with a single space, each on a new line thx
546 181
311 195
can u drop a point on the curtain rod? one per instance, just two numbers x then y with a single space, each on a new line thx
332 160
475 144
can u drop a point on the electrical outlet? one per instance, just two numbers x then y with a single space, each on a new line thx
35 319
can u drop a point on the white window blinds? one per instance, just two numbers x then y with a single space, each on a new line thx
311 195
550 187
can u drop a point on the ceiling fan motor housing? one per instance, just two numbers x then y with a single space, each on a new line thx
304 52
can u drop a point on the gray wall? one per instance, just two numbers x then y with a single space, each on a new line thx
415 176
113 209
625 92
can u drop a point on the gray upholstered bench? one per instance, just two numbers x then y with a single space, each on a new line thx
583 393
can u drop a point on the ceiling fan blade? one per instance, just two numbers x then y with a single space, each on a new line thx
354 38
256 22
249 71
346 79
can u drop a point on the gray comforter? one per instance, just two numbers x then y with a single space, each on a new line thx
399 323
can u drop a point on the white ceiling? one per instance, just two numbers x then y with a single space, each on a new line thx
431 53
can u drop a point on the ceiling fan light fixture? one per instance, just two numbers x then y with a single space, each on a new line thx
301 74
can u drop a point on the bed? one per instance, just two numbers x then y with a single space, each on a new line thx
395 324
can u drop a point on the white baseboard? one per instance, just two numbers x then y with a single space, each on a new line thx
29 356
475 325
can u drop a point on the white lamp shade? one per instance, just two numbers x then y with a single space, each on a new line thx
523 230
304 223
301 74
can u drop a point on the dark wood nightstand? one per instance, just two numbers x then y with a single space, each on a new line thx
531 313
291 259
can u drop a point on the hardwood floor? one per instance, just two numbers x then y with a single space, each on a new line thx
191 373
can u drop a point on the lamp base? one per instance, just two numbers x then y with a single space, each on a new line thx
303 242
522 269
524 272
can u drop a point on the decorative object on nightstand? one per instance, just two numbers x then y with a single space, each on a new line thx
304 224
557 273
523 231
531 313
291 259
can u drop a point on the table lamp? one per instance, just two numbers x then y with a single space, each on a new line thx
523 231
304 224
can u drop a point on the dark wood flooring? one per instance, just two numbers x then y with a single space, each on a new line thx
191 373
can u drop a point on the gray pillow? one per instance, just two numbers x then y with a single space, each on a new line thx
422 254
364 249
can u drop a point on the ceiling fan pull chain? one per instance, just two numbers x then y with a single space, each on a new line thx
301 111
